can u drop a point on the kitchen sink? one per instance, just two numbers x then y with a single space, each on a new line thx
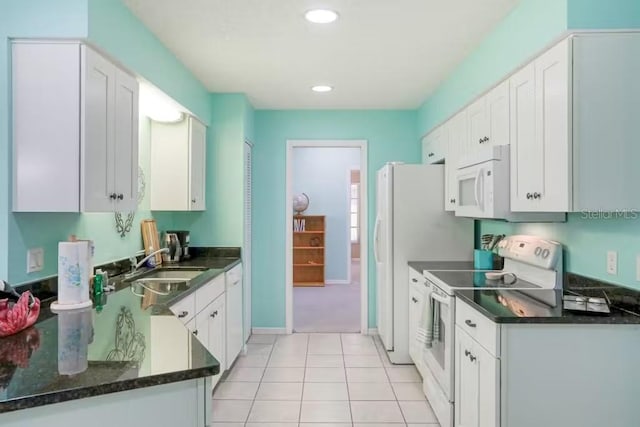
169 274
158 287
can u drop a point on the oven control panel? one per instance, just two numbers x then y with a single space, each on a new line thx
531 250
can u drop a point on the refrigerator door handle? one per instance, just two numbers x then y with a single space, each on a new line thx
376 235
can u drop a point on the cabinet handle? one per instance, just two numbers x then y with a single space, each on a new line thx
193 200
467 352
195 332
529 196
430 155
414 299
214 314
486 139
183 314
414 280
469 323
112 196
537 195
480 141
120 196
472 357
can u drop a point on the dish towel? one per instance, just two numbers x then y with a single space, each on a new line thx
429 327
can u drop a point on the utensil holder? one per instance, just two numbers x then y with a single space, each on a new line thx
482 260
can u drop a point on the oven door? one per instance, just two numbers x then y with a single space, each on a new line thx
471 191
439 358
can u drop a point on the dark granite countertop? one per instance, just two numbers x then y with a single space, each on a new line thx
546 306
421 266
129 344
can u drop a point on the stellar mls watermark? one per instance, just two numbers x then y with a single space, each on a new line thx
616 214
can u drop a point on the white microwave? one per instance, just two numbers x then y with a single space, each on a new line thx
483 183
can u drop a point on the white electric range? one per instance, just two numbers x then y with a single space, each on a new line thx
530 263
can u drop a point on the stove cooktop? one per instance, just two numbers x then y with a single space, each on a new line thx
451 280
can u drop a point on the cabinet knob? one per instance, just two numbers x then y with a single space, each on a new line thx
430 155
529 196
195 332
480 141
193 200
469 323
414 280
537 195
120 196
467 352
183 314
414 300
113 196
472 357
486 139
214 314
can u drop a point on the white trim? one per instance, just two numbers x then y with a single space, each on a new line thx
364 284
372 331
337 282
268 331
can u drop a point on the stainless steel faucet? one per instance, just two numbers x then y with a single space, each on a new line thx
136 265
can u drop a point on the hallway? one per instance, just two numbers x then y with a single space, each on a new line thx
331 308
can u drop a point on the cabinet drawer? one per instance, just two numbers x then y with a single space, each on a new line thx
234 275
481 329
185 309
415 277
207 293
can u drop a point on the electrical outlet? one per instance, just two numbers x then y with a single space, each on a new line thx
612 262
35 260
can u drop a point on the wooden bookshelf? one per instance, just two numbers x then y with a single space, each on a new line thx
308 250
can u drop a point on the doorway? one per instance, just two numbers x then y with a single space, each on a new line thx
326 286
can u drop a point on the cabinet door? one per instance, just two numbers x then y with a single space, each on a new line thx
201 330
477 375
457 148
434 145
526 158
126 142
552 193
498 115
478 123
215 315
197 165
98 154
467 387
416 306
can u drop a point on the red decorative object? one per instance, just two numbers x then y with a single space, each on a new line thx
20 316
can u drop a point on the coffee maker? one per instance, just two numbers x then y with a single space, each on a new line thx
183 238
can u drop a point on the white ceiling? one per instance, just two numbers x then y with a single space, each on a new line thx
380 54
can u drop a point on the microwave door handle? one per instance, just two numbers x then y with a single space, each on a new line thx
476 189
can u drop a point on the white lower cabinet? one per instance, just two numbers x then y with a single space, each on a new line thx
233 296
210 330
417 293
477 375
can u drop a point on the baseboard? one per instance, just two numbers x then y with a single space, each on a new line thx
336 282
268 331
372 331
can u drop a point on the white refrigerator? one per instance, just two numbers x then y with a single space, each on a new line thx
411 225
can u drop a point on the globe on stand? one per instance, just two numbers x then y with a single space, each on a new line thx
300 203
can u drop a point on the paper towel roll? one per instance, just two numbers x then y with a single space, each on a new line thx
74 269
75 332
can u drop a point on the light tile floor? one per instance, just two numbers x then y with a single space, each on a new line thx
319 380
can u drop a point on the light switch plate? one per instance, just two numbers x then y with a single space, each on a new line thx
612 262
638 267
35 260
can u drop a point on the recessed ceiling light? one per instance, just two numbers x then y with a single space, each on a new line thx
321 16
322 88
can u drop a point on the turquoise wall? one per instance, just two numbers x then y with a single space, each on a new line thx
109 25
324 175
390 136
222 223
526 31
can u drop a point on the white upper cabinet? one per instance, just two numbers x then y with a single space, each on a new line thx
457 146
178 165
75 130
488 118
574 124
434 146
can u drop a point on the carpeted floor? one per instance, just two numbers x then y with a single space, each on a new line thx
332 308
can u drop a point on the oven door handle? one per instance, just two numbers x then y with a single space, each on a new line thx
440 299
476 189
